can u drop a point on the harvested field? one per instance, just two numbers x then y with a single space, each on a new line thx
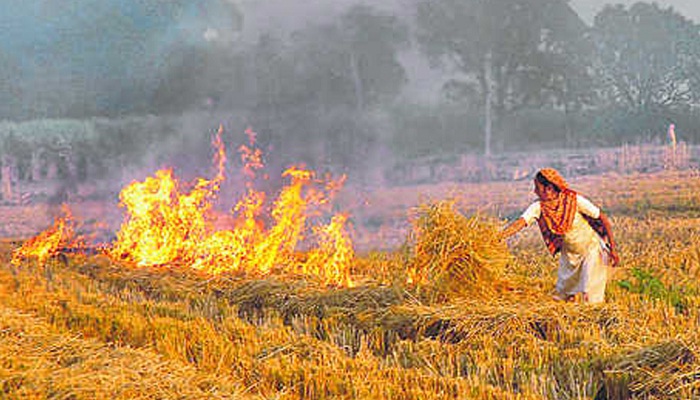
444 310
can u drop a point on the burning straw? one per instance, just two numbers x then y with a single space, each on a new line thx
455 254
171 223
49 242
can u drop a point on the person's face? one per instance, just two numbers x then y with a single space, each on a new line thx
545 192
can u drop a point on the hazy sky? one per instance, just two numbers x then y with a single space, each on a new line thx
588 8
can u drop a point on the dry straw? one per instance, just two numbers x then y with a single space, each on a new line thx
452 254
101 329
42 363
666 369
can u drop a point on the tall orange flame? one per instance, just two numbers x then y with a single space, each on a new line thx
331 260
166 223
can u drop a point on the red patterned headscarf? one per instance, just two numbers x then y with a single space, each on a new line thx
557 215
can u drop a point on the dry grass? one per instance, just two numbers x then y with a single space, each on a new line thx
454 255
480 325
42 362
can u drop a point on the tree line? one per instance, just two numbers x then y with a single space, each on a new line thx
332 93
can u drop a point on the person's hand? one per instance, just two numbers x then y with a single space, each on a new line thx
615 258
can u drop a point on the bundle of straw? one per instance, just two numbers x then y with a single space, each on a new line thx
666 369
453 254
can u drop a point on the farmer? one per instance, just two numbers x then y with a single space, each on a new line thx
576 228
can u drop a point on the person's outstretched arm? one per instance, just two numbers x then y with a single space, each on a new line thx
532 212
513 228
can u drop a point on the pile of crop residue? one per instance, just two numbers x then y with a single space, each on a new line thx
451 254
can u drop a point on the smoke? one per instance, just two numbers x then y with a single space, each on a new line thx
99 57
120 58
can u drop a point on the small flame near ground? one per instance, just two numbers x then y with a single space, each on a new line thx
170 223
48 243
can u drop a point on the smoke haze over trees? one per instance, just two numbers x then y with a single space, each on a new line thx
349 85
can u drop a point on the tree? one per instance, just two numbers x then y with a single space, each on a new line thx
316 92
353 61
204 69
103 57
10 90
648 57
567 65
498 47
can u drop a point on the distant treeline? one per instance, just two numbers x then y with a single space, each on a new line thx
527 74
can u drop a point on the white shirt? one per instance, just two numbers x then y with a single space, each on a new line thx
581 238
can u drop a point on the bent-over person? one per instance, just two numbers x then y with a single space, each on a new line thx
577 229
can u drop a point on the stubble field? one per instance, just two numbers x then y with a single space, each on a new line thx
439 308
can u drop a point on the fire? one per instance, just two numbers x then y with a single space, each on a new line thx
164 226
159 222
251 158
168 223
49 242
334 254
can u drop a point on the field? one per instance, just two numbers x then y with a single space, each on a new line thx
438 308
